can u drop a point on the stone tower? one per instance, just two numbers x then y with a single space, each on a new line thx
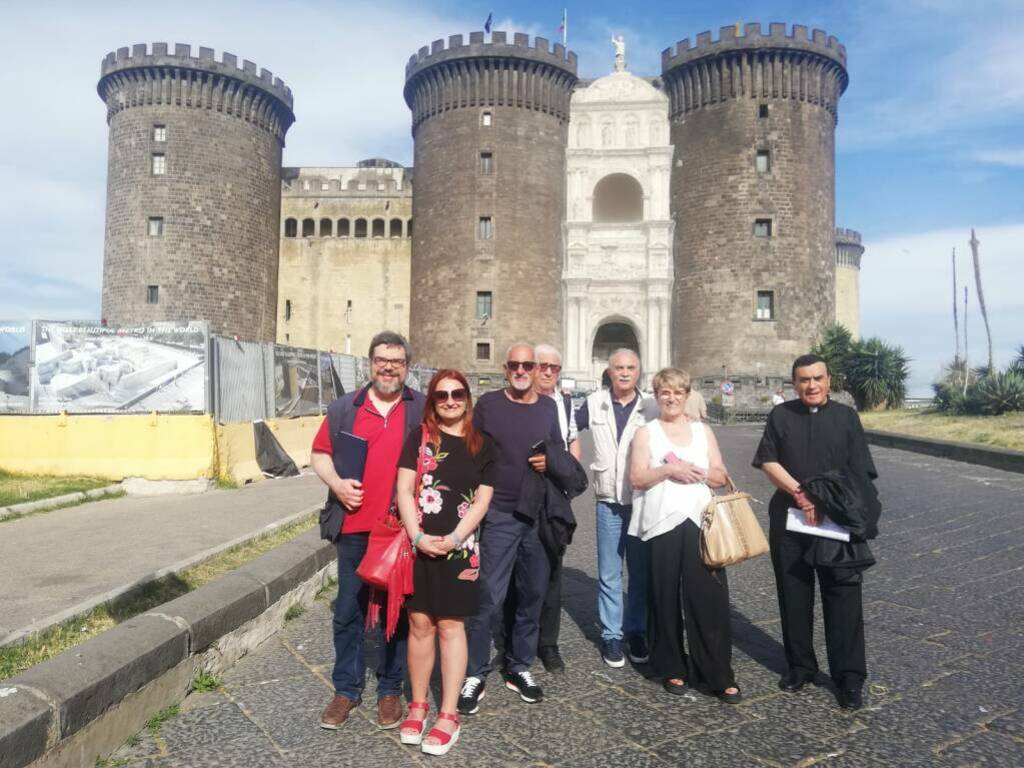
193 189
848 254
489 122
753 194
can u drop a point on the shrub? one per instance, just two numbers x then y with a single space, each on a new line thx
1018 361
999 393
876 374
836 342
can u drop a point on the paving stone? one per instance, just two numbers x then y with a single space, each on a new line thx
288 710
986 750
271 661
212 728
633 720
545 737
617 756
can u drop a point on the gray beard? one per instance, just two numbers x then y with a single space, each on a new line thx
387 389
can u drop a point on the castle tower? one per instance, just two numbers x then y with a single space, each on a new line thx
848 254
193 189
489 122
753 193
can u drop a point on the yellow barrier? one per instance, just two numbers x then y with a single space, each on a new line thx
153 446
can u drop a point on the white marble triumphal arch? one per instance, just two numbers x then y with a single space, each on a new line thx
617 269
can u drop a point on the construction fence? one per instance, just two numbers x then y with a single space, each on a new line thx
51 367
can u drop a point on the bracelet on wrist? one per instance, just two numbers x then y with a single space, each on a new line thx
416 539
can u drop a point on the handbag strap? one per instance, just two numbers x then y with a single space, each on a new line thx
728 484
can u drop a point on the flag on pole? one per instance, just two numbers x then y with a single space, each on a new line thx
487 24
564 26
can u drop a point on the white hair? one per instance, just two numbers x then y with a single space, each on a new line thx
526 344
624 351
547 349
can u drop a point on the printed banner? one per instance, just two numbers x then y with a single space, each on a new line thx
296 385
14 366
82 367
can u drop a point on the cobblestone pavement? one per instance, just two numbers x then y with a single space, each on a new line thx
945 629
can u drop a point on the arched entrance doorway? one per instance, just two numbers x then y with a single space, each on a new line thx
611 335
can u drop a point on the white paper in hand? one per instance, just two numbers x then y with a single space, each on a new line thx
826 528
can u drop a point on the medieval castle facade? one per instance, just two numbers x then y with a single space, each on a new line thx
690 216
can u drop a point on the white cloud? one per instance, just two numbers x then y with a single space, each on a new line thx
1012 158
906 295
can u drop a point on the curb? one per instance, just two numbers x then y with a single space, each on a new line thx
86 701
969 453
87 605
56 501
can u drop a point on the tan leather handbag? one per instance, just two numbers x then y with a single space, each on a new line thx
729 531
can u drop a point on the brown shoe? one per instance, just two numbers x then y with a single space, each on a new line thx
389 712
337 712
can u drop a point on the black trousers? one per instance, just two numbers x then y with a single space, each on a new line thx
841 606
679 576
550 613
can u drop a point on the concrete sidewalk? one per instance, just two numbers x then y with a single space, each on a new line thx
59 564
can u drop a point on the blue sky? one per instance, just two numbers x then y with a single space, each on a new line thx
930 140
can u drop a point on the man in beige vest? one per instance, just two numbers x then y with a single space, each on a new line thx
613 416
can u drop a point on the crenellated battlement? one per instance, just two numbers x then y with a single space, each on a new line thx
847 236
730 39
798 65
159 55
459 75
540 51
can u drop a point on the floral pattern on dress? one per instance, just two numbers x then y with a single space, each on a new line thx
429 497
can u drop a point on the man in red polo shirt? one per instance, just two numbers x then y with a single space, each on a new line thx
382 413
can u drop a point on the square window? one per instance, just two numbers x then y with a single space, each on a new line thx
765 306
486 119
762 110
484 306
156 226
152 294
764 161
159 164
486 163
159 133
483 350
762 227
486 228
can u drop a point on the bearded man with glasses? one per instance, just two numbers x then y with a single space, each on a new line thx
519 423
382 413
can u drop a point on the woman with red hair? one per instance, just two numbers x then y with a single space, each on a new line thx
444 486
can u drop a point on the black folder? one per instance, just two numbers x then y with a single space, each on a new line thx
349 455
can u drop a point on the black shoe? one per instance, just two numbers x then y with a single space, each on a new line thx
470 695
794 680
730 698
523 684
851 698
636 649
676 689
551 659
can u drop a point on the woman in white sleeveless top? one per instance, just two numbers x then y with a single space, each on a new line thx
674 464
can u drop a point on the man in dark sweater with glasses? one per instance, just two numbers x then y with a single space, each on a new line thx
517 420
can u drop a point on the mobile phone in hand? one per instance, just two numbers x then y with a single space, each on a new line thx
671 458
538 448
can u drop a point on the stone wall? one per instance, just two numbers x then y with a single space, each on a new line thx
731 99
218 198
524 92
337 290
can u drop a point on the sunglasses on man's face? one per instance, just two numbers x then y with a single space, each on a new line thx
458 395
526 365
553 367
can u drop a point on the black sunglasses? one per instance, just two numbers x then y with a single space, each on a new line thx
526 365
458 395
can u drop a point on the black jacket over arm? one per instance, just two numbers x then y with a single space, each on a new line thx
545 498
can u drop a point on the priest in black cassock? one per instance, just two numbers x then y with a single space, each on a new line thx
803 440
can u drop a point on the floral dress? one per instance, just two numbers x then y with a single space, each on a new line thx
447 586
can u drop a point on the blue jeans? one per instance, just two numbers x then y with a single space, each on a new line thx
349 675
612 543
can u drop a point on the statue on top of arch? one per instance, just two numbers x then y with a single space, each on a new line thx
620 53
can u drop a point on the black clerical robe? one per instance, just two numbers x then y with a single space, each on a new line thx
811 441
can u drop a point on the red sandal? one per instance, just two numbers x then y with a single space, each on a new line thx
447 739
413 724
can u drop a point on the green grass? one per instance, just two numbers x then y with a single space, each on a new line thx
156 721
1006 431
111 762
63 505
204 682
294 611
48 643
17 489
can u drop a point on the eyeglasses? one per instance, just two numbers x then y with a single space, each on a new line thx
392 362
526 365
553 367
457 395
